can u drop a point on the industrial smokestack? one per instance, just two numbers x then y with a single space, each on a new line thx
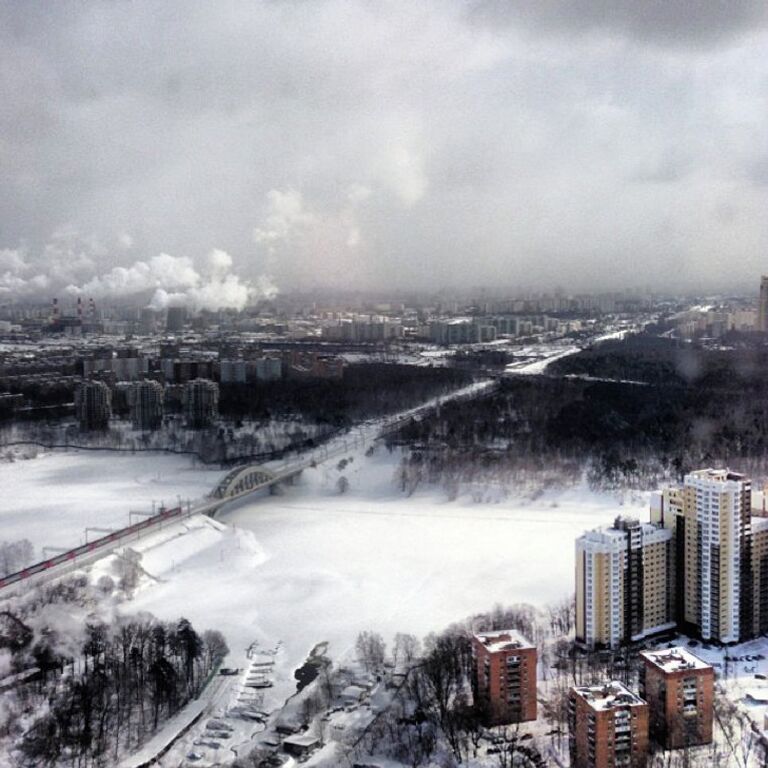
79 308
55 310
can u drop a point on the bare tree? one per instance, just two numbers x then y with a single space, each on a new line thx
405 650
370 647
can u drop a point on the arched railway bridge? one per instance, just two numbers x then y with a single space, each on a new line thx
242 480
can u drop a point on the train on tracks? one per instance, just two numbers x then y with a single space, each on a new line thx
162 516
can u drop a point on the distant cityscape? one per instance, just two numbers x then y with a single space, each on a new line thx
153 363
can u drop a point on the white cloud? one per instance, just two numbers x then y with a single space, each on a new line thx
125 241
285 216
401 169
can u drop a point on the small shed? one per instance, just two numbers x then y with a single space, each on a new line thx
300 744
352 694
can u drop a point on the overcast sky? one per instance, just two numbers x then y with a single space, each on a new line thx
586 144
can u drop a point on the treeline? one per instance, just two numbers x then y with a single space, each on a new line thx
224 444
367 390
109 693
619 433
737 365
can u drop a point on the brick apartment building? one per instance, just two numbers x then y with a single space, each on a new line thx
679 689
608 726
505 676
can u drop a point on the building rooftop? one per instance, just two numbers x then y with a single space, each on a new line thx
720 475
759 523
674 660
503 640
609 696
615 537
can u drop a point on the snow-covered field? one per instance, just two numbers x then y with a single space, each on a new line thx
52 498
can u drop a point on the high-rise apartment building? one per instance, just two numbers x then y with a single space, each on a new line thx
762 310
145 400
608 727
175 318
93 405
700 566
679 689
623 583
711 517
760 574
505 676
233 371
200 400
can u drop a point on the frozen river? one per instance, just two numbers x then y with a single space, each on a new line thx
312 565
52 498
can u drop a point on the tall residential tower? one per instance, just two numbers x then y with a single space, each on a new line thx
700 566
711 515
623 583
505 676
762 311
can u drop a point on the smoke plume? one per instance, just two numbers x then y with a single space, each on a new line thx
164 280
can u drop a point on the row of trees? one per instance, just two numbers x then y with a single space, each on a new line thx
219 444
367 390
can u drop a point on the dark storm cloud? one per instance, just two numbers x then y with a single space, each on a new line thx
670 22
351 143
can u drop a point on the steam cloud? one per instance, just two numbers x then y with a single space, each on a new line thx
171 280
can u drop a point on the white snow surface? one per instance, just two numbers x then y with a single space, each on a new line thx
310 565
52 498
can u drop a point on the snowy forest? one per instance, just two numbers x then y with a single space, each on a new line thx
81 688
626 413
